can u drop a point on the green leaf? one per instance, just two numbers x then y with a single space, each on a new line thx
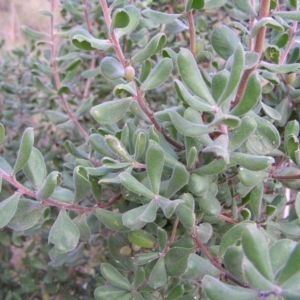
280 69
251 178
241 133
219 82
265 138
32 33
191 75
111 112
256 197
56 117
64 234
134 18
194 4
149 214
25 150
113 276
214 167
205 232
82 39
158 276
140 144
199 185
180 256
176 292
271 112
135 186
83 227
120 19
8 208
160 17
158 75
178 180
109 292
254 278
111 68
291 267
272 53
256 249
154 46
98 143
233 261
168 206
290 15
193 101
35 168
265 22
131 218
81 183
155 164
280 252
49 185
217 290
232 236
110 219
224 41
211 4
118 148
27 215
162 238
187 128
198 267
70 147
142 238
219 147
186 216
252 162
251 96
209 204
245 6
2 134
235 73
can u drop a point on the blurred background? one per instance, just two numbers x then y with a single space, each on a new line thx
14 13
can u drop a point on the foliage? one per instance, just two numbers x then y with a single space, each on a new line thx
149 150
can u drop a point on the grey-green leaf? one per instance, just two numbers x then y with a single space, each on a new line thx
81 182
224 41
111 68
120 19
35 168
64 234
25 150
154 45
113 276
160 17
158 276
8 208
158 75
155 164
49 185
191 75
111 112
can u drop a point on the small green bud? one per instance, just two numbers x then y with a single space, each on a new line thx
129 73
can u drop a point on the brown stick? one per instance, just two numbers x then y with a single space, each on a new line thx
258 48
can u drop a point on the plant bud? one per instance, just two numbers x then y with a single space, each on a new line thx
125 251
129 73
290 78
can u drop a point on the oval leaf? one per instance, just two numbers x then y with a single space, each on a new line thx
110 112
8 208
158 75
64 234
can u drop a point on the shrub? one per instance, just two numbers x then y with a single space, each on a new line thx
150 151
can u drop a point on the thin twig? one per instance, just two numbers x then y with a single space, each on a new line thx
258 48
214 260
144 106
173 235
57 79
112 35
190 18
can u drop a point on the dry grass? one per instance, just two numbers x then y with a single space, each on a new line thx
15 13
